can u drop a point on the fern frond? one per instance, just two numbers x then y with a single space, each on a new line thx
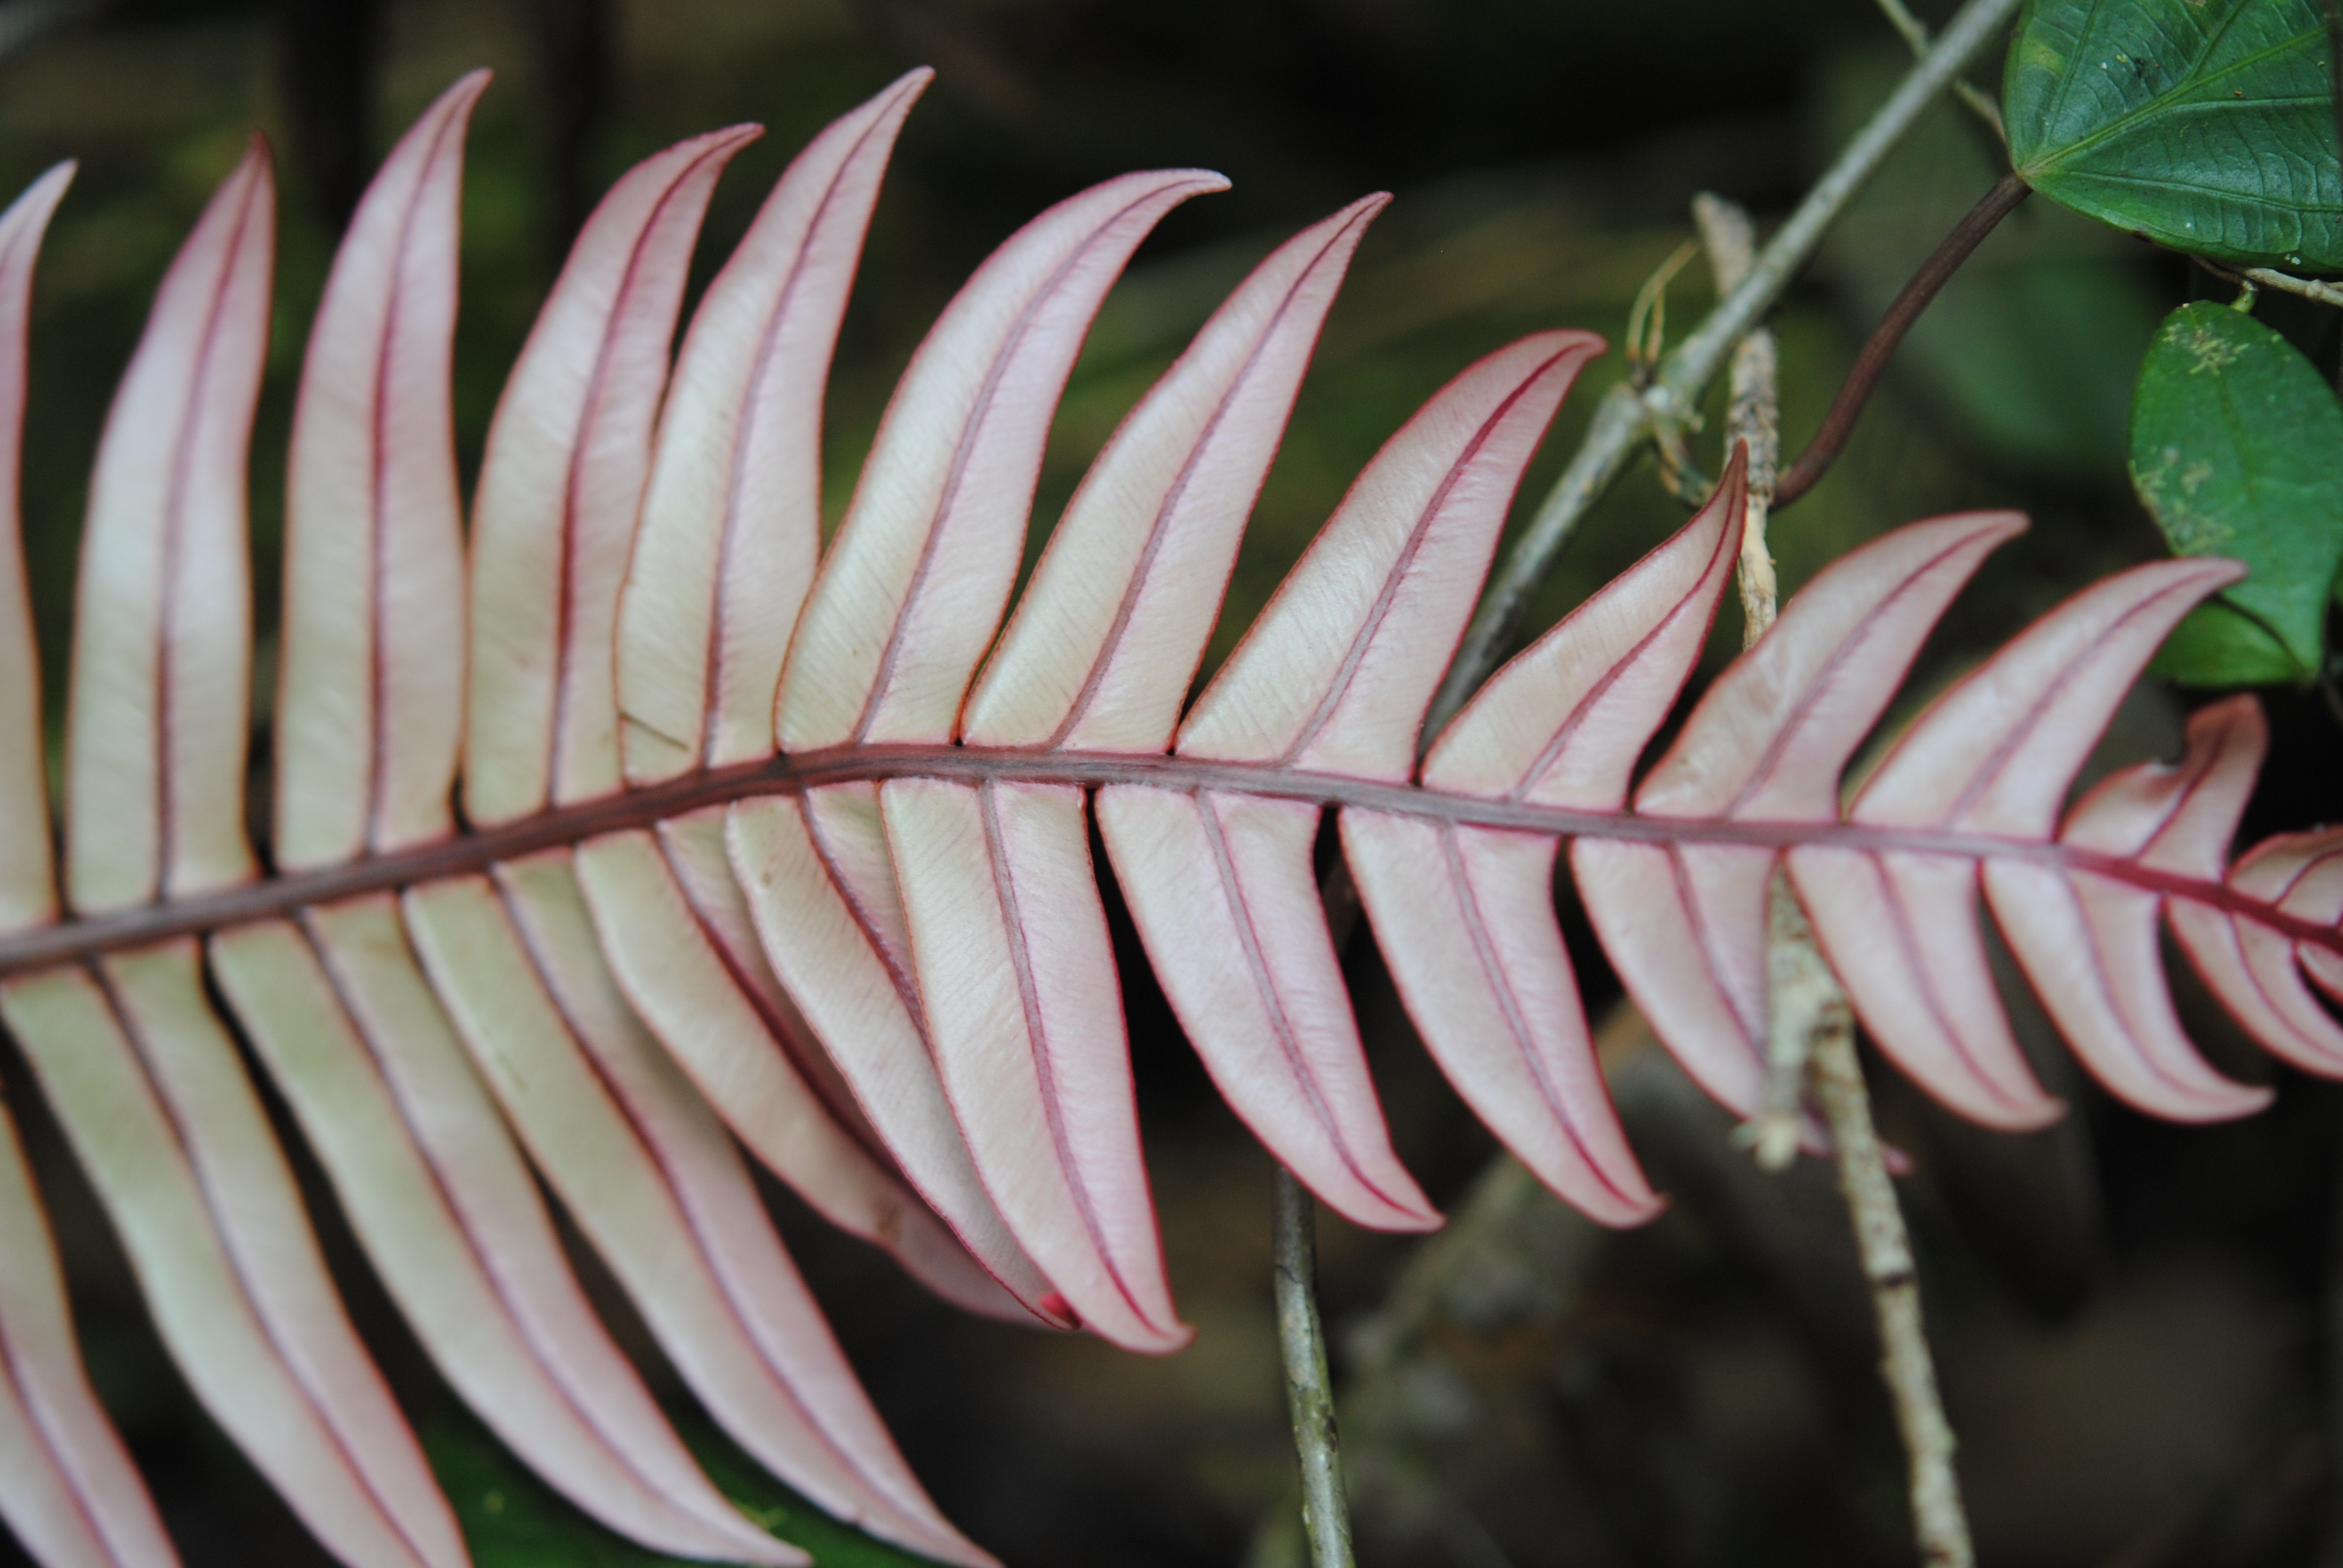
765 848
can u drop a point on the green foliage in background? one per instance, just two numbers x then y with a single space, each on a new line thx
513 1519
2236 449
2205 124
2033 344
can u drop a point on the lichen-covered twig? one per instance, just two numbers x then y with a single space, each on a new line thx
1905 1359
1754 420
1753 416
1309 1388
2284 282
1810 1031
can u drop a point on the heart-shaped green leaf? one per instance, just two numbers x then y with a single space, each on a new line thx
2236 449
2207 125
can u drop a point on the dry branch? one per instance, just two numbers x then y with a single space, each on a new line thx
1811 1027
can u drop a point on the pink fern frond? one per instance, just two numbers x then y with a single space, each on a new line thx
766 847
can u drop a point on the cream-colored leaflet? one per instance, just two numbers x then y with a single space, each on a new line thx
160 995
648 1172
1676 923
1220 886
808 1419
370 686
1220 889
76 1039
731 521
1336 674
820 887
560 487
1931 1002
2047 694
1609 672
162 663
677 930
2179 819
1684 924
911 591
1098 656
1464 915
28 887
1106 639
1768 740
2257 973
154 793
370 718
497 1196
446 1290
1011 944
66 1485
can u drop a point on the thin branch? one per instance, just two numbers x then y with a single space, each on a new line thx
1810 1028
1795 978
1916 33
1623 418
1905 1362
1753 422
1753 414
2270 278
1934 273
1309 1390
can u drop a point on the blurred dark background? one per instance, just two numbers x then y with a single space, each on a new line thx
2135 1321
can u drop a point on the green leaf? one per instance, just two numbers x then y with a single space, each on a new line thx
2217 646
513 1519
2236 449
2207 125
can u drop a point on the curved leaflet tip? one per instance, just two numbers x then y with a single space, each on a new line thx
1106 640
731 523
1685 922
731 516
157 731
1994 756
28 889
561 486
1334 677
370 684
927 552
1464 915
913 586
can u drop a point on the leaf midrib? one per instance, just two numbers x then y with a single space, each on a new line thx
465 854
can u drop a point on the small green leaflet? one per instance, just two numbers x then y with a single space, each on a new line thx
2236 449
2207 125
513 1519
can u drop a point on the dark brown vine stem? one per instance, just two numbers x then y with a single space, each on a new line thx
1939 269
